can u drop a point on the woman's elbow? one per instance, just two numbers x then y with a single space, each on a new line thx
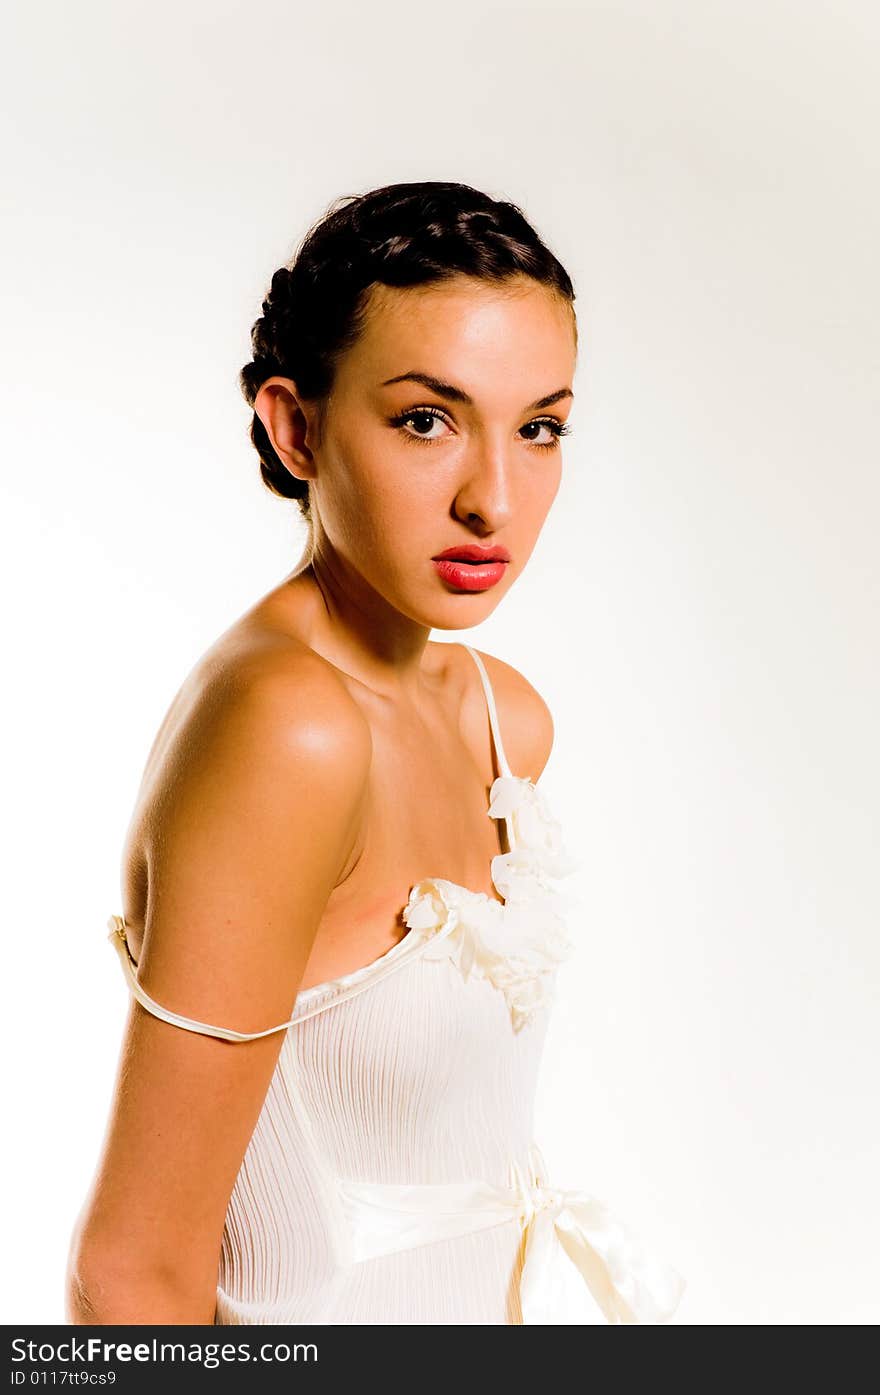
105 1287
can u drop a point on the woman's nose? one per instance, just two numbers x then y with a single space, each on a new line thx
485 492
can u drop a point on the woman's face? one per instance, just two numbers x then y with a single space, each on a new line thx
405 468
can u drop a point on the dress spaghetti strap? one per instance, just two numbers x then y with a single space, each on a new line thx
190 1024
503 767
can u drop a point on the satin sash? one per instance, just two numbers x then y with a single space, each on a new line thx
625 1283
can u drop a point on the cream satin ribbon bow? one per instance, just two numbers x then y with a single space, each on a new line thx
626 1282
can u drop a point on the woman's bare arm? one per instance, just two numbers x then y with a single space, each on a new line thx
256 811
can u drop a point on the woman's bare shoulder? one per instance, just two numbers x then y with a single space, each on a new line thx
264 699
526 720
312 698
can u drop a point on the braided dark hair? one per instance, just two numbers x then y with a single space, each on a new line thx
398 235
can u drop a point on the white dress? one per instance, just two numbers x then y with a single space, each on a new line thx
392 1176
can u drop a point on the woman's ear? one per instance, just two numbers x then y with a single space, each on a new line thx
288 424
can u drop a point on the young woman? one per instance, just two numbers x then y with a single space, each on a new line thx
341 968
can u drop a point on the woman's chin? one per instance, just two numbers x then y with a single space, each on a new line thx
461 612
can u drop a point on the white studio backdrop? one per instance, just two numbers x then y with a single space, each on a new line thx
700 613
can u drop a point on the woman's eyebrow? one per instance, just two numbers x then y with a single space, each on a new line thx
456 394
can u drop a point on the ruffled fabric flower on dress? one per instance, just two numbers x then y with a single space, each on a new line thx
516 945
537 834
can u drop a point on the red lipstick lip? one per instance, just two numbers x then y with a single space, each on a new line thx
470 568
471 553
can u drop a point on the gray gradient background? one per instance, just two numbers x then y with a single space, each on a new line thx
700 613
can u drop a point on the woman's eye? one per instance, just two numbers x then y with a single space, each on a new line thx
423 421
552 425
